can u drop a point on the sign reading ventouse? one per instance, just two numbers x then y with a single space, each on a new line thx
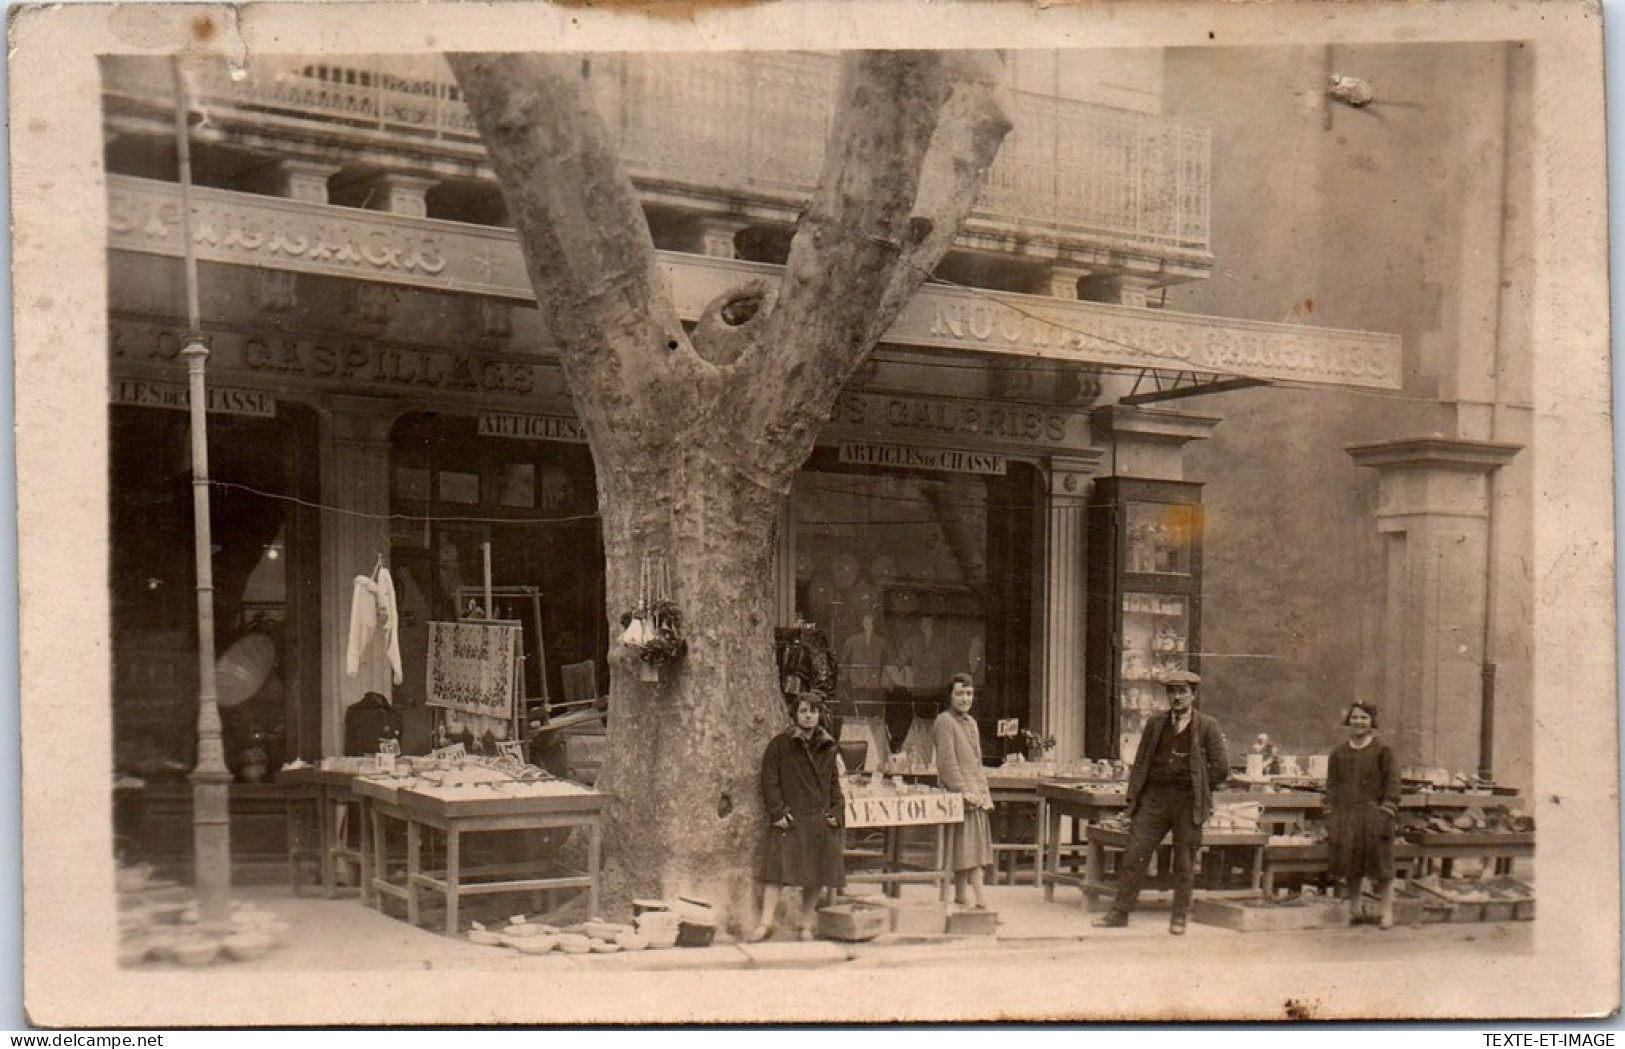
947 459
905 810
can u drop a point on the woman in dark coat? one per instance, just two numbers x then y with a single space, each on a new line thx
1362 806
801 792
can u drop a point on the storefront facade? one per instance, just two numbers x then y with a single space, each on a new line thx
384 395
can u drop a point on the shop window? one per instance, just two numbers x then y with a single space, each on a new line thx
263 571
459 487
518 485
914 577
533 504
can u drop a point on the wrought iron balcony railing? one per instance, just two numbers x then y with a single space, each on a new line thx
755 123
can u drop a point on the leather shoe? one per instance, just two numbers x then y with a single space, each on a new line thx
1176 925
1111 920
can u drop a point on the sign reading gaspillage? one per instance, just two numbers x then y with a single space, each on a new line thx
222 399
947 459
905 810
472 668
532 427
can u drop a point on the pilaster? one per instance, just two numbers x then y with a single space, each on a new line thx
1434 509
302 180
1063 281
717 237
396 193
1149 443
1065 562
355 484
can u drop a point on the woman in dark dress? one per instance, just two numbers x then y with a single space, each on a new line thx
801 792
1362 806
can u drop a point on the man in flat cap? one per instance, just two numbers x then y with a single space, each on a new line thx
1170 788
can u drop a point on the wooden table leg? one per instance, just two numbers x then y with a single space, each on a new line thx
1039 856
369 840
1094 870
327 825
291 813
595 845
378 866
1006 822
414 865
894 859
1052 852
453 878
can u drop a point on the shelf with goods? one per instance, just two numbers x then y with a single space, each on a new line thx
1144 605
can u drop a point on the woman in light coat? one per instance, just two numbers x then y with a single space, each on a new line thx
959 769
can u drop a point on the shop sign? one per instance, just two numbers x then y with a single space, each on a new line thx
905 810
222 399
353 363
244 229
532 427
950 460
983 419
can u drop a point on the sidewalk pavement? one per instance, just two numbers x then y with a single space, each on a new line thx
341 935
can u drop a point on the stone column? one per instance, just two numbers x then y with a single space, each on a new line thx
392 192
355 478
1062 281
716 237
1434 508
1149 443
1066 528
303 180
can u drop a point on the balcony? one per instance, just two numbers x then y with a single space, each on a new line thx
739 126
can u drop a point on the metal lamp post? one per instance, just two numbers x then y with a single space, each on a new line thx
211 779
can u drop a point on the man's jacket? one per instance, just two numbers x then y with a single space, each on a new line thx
1209 762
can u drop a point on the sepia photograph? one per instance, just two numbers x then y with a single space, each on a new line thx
572 514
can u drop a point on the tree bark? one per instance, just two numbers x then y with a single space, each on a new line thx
697 438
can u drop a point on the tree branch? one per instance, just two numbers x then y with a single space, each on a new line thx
915 134
586 242
970 130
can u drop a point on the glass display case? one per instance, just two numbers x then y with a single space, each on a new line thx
1145 556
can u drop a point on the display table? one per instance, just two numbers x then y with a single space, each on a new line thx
1011 795
331 798
1315 859
1282 812
1097 881
892 815
453 814
1279 812
1439 851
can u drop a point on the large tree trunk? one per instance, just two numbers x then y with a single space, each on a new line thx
697 437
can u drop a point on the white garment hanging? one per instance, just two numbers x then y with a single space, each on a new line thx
372 605
390 622
363 623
